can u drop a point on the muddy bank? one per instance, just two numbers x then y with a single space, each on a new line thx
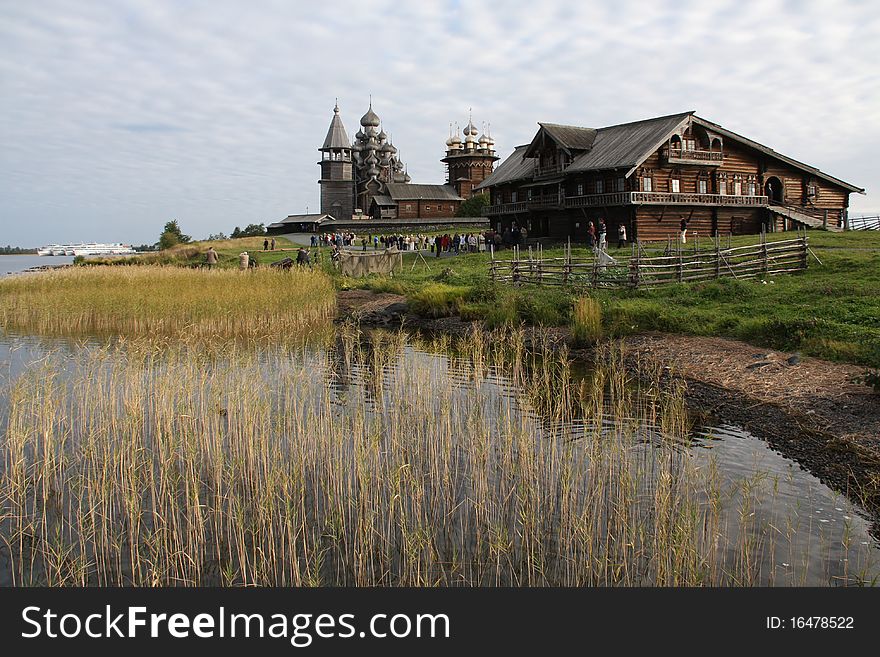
808 409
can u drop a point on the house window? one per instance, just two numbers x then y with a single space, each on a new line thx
737 188
513 197
722 187
751 188
690 145
580 189
427 207
529 194
702 186
675 185
621 184
647 184
600 186
408 206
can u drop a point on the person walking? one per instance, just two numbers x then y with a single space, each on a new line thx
211 258
272 243
265 245
602 231
621 236
591 234
684 229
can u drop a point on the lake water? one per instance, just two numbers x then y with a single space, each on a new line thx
13 264
802 532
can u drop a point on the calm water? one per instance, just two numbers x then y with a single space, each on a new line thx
809 534
12 264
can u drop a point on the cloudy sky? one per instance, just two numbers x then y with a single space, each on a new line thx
118 116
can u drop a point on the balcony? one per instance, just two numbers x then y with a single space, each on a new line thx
507 208
663 198
699 157
669 198
554 201
549 170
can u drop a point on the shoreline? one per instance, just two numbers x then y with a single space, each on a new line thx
806 408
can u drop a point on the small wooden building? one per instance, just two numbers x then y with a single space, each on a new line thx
298 223
412 201
651 175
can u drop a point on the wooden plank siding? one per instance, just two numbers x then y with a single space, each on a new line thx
655 218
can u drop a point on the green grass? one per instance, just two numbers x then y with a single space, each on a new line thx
831 311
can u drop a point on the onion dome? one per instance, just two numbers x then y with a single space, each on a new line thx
359 135
370 119
382 136
406 177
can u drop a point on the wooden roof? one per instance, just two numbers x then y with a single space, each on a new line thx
514 167
301 219
626 146
779 156
413 192
569 137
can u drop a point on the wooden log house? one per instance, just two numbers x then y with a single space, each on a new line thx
651 174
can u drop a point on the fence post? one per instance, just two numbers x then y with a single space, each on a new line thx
764 250
805 249
717 256
680 264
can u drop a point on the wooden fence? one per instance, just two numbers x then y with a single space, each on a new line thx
640 270
863 223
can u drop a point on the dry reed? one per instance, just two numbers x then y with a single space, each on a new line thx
169 301
132 465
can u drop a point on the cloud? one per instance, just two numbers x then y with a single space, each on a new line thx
119 116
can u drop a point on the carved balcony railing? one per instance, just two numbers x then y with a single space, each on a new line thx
662 198
673 198
554 201
701 157
594 200
507 208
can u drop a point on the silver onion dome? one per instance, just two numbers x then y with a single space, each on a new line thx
370 119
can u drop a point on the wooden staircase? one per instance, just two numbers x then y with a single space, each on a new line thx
802 216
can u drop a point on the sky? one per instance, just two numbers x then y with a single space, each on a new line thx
116 117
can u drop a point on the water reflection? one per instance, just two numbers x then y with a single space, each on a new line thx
797 530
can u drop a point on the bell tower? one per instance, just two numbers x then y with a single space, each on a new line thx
337 180
468 162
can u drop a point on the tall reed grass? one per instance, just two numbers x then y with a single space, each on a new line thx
367 464
586 320
170 301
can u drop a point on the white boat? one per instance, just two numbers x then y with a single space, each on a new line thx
92 248
95 248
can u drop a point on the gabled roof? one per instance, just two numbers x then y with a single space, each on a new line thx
627 145
383 200
514 167
572 138
336 135
301 219
779 156
412 192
